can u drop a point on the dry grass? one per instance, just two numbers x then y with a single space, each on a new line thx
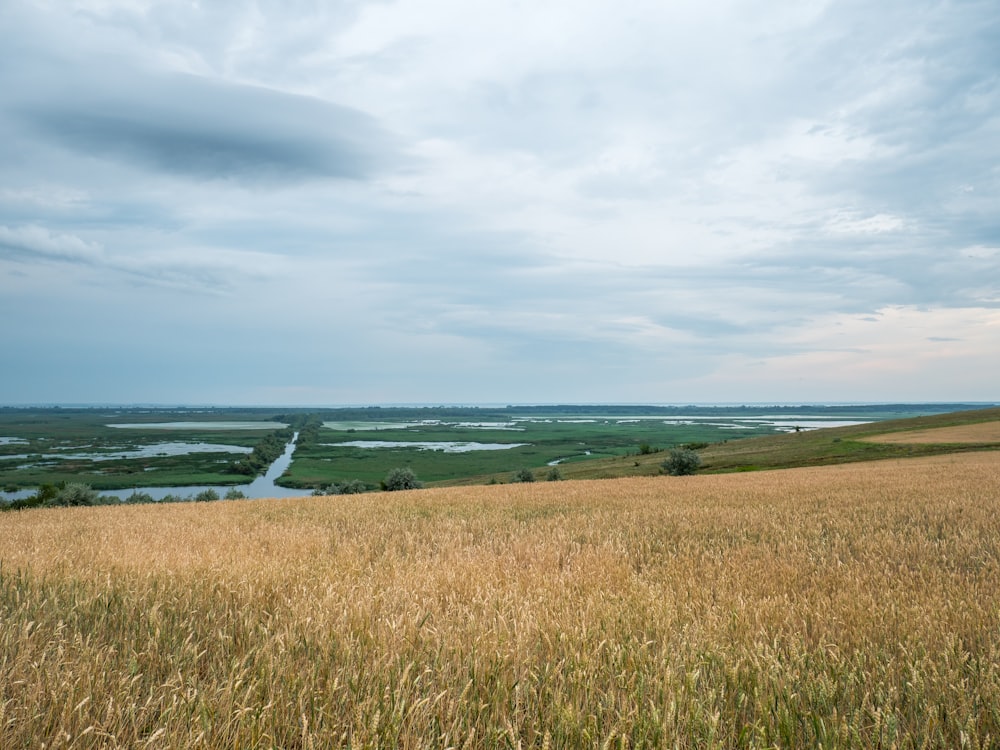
984 432
851 606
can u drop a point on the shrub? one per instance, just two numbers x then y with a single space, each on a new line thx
401 479
206 496
137 498
523 475
554 474
682 461
350 487
75 493
356 487
234 494
32 501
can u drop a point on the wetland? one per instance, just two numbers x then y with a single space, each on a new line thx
182 451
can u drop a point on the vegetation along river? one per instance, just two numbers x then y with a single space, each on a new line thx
262 486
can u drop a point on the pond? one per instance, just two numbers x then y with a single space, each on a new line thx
199 425
146 451
359 425
438 445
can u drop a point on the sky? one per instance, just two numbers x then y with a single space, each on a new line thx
459 201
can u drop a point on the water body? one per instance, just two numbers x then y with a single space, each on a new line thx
200 426
375 426
788 425
147 451
261 487
563 460
366 426
445 446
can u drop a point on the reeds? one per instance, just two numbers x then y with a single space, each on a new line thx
852 606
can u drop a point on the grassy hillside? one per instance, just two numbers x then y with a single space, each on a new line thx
829 606
834 445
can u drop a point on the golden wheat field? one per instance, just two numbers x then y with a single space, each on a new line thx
846 606
982 432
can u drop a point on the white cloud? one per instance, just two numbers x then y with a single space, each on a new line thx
28 241
898 353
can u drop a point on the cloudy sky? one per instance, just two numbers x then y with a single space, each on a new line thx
459 201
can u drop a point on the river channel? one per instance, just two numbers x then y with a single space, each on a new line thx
261 487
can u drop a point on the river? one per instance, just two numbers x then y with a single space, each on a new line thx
261 487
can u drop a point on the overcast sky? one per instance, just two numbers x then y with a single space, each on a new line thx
459 201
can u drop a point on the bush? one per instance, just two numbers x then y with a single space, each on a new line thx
554 474
235 494
523 475
682 461
350 487
32 501
75 494
206 496
401 479
137 498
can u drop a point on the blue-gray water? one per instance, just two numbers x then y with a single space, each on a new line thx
261 487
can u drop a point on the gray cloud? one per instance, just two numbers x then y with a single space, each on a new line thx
185 125
86 82
35 241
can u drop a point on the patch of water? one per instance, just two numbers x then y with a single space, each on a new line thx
199 425
374 426
562 460
445 446
365 426
486 426
807 424
12 441
146 451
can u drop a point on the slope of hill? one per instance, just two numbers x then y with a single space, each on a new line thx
821 447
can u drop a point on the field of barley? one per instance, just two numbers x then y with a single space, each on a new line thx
844 606
981 432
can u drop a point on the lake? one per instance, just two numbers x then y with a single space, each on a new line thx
199 425
436 445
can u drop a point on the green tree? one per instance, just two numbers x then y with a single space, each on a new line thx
75 493
554 474
401 479
682 461
206 496
523 475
